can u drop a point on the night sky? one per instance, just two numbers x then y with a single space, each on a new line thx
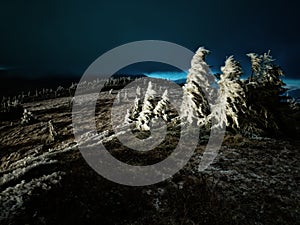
65 37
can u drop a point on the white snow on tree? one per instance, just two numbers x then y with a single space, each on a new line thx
138 91
256 61
118 98
133 113
147 109
52 132
127 119
27 117
162 106
270 73
125 97
263 69
231 96
195 106
264 94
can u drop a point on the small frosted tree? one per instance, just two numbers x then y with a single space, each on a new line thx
118 98
195 107
125 97
162 106
231 96
133 114
147 109
27 117
138 91
127 119
52 133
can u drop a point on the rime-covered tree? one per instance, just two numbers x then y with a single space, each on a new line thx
27 117
264 95
255 66
195 107
125 97
52 133
138 91
118 98
127 119
161 108
133 113
231 101
147 109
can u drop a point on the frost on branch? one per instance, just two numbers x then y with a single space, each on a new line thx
195 107
231 96
255 65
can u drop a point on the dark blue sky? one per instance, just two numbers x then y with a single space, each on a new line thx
57 36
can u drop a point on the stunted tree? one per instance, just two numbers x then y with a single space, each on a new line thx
231 96
125 97
195 107
162 106
27 117
147 109
118 98
133 113
138 91
52 133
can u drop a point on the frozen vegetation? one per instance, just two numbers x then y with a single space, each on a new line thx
253 180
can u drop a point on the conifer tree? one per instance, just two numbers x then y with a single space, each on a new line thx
52 133
195 107
27 117
231 96
147 109
162 106
133 113
264 95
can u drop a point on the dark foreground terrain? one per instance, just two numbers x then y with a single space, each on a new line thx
252 181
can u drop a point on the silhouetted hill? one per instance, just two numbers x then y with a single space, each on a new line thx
12 84
15 84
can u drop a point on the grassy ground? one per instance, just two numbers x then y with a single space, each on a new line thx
252 181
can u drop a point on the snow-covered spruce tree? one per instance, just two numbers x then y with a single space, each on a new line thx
127 119
161 108
264 95
147 109
133 114
231 101
52 133
195 107
118 98
256 61
138 91
125 97
27 117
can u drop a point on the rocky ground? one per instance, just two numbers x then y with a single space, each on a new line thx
252 180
